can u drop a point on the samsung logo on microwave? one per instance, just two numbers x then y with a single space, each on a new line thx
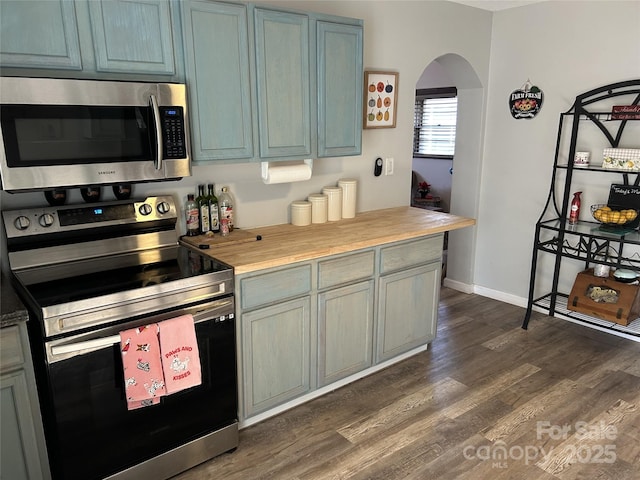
106 172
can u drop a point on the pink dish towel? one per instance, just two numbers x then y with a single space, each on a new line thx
143 375
180 355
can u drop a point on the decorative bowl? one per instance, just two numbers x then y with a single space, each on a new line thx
625 276
612 215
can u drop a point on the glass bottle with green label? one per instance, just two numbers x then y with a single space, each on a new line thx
203 210
214 214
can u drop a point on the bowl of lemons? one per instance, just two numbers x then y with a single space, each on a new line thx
612 215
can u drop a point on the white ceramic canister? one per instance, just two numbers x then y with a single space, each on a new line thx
301 213
334 203
318 207
600 270
349 187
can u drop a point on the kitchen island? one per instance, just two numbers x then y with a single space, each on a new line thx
286 244
322 305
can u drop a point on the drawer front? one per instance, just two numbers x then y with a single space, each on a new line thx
275 286
11 354
345 269
417 252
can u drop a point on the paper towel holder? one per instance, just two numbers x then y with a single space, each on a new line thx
265 168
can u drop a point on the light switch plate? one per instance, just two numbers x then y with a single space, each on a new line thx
388 166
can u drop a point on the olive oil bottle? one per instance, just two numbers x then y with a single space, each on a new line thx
214 213
203 210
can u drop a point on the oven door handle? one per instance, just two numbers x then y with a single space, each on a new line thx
153 103
94 343
86 345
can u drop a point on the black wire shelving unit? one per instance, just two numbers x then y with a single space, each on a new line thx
586 242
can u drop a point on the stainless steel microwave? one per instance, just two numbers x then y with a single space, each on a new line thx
60 133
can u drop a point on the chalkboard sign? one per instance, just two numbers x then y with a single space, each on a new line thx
626 196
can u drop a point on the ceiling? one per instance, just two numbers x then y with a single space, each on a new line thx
495 5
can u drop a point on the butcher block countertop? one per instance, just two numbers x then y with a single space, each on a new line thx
278 245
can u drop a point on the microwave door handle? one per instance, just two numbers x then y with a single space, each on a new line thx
153 102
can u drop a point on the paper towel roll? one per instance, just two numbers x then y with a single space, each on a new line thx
286 173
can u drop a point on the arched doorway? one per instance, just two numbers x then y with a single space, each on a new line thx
465 181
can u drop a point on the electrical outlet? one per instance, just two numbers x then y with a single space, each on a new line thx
388 166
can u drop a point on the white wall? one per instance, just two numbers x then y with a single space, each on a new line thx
565 48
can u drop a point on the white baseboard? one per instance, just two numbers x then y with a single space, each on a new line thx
459 286
485 292
501 296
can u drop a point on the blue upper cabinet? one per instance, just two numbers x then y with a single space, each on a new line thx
106 39
339 86
39 34
217 68
132 36
271 84
283 84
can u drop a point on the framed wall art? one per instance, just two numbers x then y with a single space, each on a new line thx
380 98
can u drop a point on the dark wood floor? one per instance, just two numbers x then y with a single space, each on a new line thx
488 400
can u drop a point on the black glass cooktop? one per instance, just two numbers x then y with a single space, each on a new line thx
185 264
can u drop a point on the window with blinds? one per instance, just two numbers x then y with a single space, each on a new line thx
434 124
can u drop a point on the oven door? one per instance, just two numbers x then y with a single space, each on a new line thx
91 434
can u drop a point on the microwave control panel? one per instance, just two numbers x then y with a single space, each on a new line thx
173 132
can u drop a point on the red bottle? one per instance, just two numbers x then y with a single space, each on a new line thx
574 213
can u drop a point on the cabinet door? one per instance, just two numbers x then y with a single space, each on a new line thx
407 310
282 75
275 351
18 445
39 34
339 50
133 36
345 331
215 35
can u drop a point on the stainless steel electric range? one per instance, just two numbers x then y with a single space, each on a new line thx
87 272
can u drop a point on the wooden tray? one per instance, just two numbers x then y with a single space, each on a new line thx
623 310
217 240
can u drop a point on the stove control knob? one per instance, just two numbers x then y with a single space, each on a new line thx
22 222
145 209
46 220
163 207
